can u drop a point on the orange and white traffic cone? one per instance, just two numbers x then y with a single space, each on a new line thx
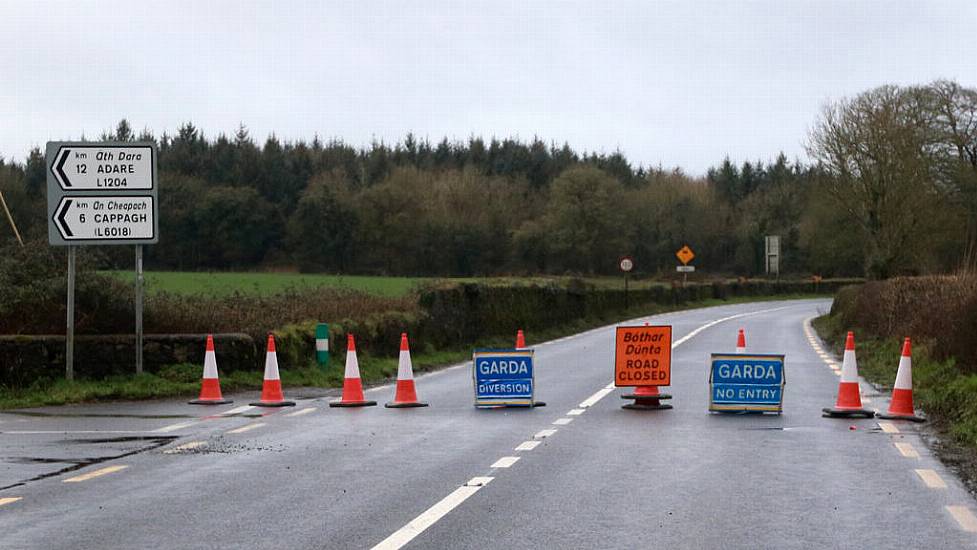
741 342
901 404
210 386
352 384
271 390
406 395
849 402
520 340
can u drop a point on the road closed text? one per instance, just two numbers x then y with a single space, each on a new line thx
643 356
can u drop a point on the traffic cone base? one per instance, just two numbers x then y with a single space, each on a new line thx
647 398
406 396
353 394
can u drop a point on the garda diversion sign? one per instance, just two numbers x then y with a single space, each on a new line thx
746 383
102 193
503 377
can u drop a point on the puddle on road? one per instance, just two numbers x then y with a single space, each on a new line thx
155 442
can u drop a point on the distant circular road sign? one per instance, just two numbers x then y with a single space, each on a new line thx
626 264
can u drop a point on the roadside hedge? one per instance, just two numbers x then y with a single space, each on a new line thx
443 316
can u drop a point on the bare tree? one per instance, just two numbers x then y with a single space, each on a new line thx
877 150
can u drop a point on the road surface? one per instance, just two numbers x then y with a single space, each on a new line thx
578 473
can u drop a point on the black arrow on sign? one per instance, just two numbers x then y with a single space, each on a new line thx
60 168
59 217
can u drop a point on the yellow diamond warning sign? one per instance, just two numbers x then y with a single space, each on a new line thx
685 255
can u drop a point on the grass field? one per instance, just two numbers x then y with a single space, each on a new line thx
224 283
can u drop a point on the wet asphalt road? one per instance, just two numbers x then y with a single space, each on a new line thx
315 477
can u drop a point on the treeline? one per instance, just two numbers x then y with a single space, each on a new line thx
481 207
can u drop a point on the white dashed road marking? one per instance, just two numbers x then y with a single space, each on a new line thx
931 479
575 412
175 427
505 462
300 412
907 450
527 445
431 516
965 518
562 421
543 434
247 428
9 500
185 447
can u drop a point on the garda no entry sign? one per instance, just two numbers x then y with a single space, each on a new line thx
746 383
102 193
643 356
503 377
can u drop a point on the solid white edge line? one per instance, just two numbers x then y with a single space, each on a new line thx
431 516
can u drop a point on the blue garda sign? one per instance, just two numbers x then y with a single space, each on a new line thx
739 382
503 377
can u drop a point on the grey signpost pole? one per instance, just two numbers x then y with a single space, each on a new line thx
139 281
69 353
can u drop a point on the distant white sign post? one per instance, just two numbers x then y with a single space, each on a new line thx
102 194
626 264
772 254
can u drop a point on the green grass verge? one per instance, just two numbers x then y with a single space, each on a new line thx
940 389
183 380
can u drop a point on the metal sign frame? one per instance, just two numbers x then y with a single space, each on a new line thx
482 401
747 406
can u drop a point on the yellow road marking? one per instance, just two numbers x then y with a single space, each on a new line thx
889 427
907 450
964 517
247 428
96 473
9 500
185 447
931 479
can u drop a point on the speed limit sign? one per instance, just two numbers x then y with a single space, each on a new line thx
627 264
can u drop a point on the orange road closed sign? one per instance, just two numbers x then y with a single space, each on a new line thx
643 356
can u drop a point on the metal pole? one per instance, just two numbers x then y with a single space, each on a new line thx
625 291
139 285
69 354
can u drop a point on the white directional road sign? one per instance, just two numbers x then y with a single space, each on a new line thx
80 217
103 167
102 193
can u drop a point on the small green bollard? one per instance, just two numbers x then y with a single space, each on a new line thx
322 344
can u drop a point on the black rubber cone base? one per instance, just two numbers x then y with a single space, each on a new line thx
273 404
352 403
407 405
210 401
646 406
912 418
831 412
539 403
642 397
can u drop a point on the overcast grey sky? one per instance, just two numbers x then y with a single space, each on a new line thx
670 83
